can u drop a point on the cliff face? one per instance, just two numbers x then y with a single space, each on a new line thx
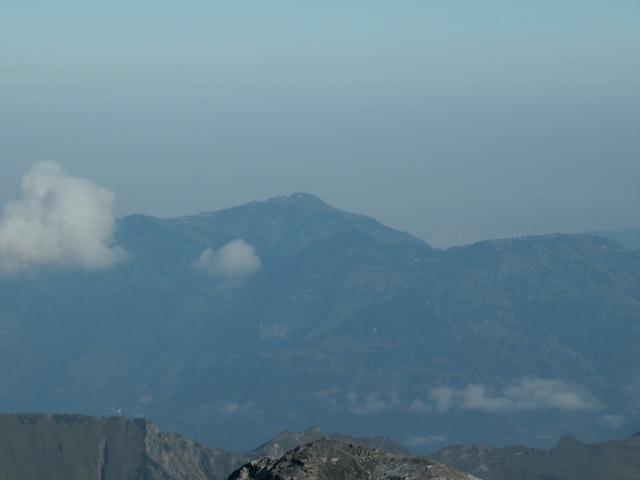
75 447
327 459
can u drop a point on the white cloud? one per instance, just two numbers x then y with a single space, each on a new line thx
234 260
58 220
234 408
527 394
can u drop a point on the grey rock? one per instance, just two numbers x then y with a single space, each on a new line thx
335 460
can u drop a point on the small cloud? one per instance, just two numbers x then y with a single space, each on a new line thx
236 259
231 408
58 220
527 394
613 421
234 408
424 441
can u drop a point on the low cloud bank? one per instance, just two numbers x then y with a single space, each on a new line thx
525 395
58 220
236 259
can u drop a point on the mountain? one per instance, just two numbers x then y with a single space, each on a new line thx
75 447
331 459
570 459
346 324
630 238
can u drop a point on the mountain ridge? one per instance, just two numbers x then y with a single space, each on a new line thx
368 321
569 459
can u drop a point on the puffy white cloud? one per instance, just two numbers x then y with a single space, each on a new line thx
58 220
236 259
526 394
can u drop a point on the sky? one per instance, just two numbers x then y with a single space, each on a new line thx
454 120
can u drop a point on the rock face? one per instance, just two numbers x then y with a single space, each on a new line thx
334 460
569 460
75 447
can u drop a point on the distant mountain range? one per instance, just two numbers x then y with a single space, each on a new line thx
323 317
570 459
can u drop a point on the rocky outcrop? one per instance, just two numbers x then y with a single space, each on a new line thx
327 459
77 447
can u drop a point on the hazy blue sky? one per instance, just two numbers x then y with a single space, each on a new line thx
454 120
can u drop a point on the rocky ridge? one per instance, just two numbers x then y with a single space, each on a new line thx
327 459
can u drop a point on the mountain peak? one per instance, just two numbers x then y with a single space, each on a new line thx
299 199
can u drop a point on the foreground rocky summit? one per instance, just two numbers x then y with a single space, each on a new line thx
76 447
334 460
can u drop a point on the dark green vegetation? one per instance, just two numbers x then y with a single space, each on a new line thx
569 460
327 459
349 325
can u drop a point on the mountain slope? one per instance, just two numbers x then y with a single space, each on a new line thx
630 238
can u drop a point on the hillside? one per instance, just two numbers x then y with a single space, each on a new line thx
630 238
341 322
568 460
